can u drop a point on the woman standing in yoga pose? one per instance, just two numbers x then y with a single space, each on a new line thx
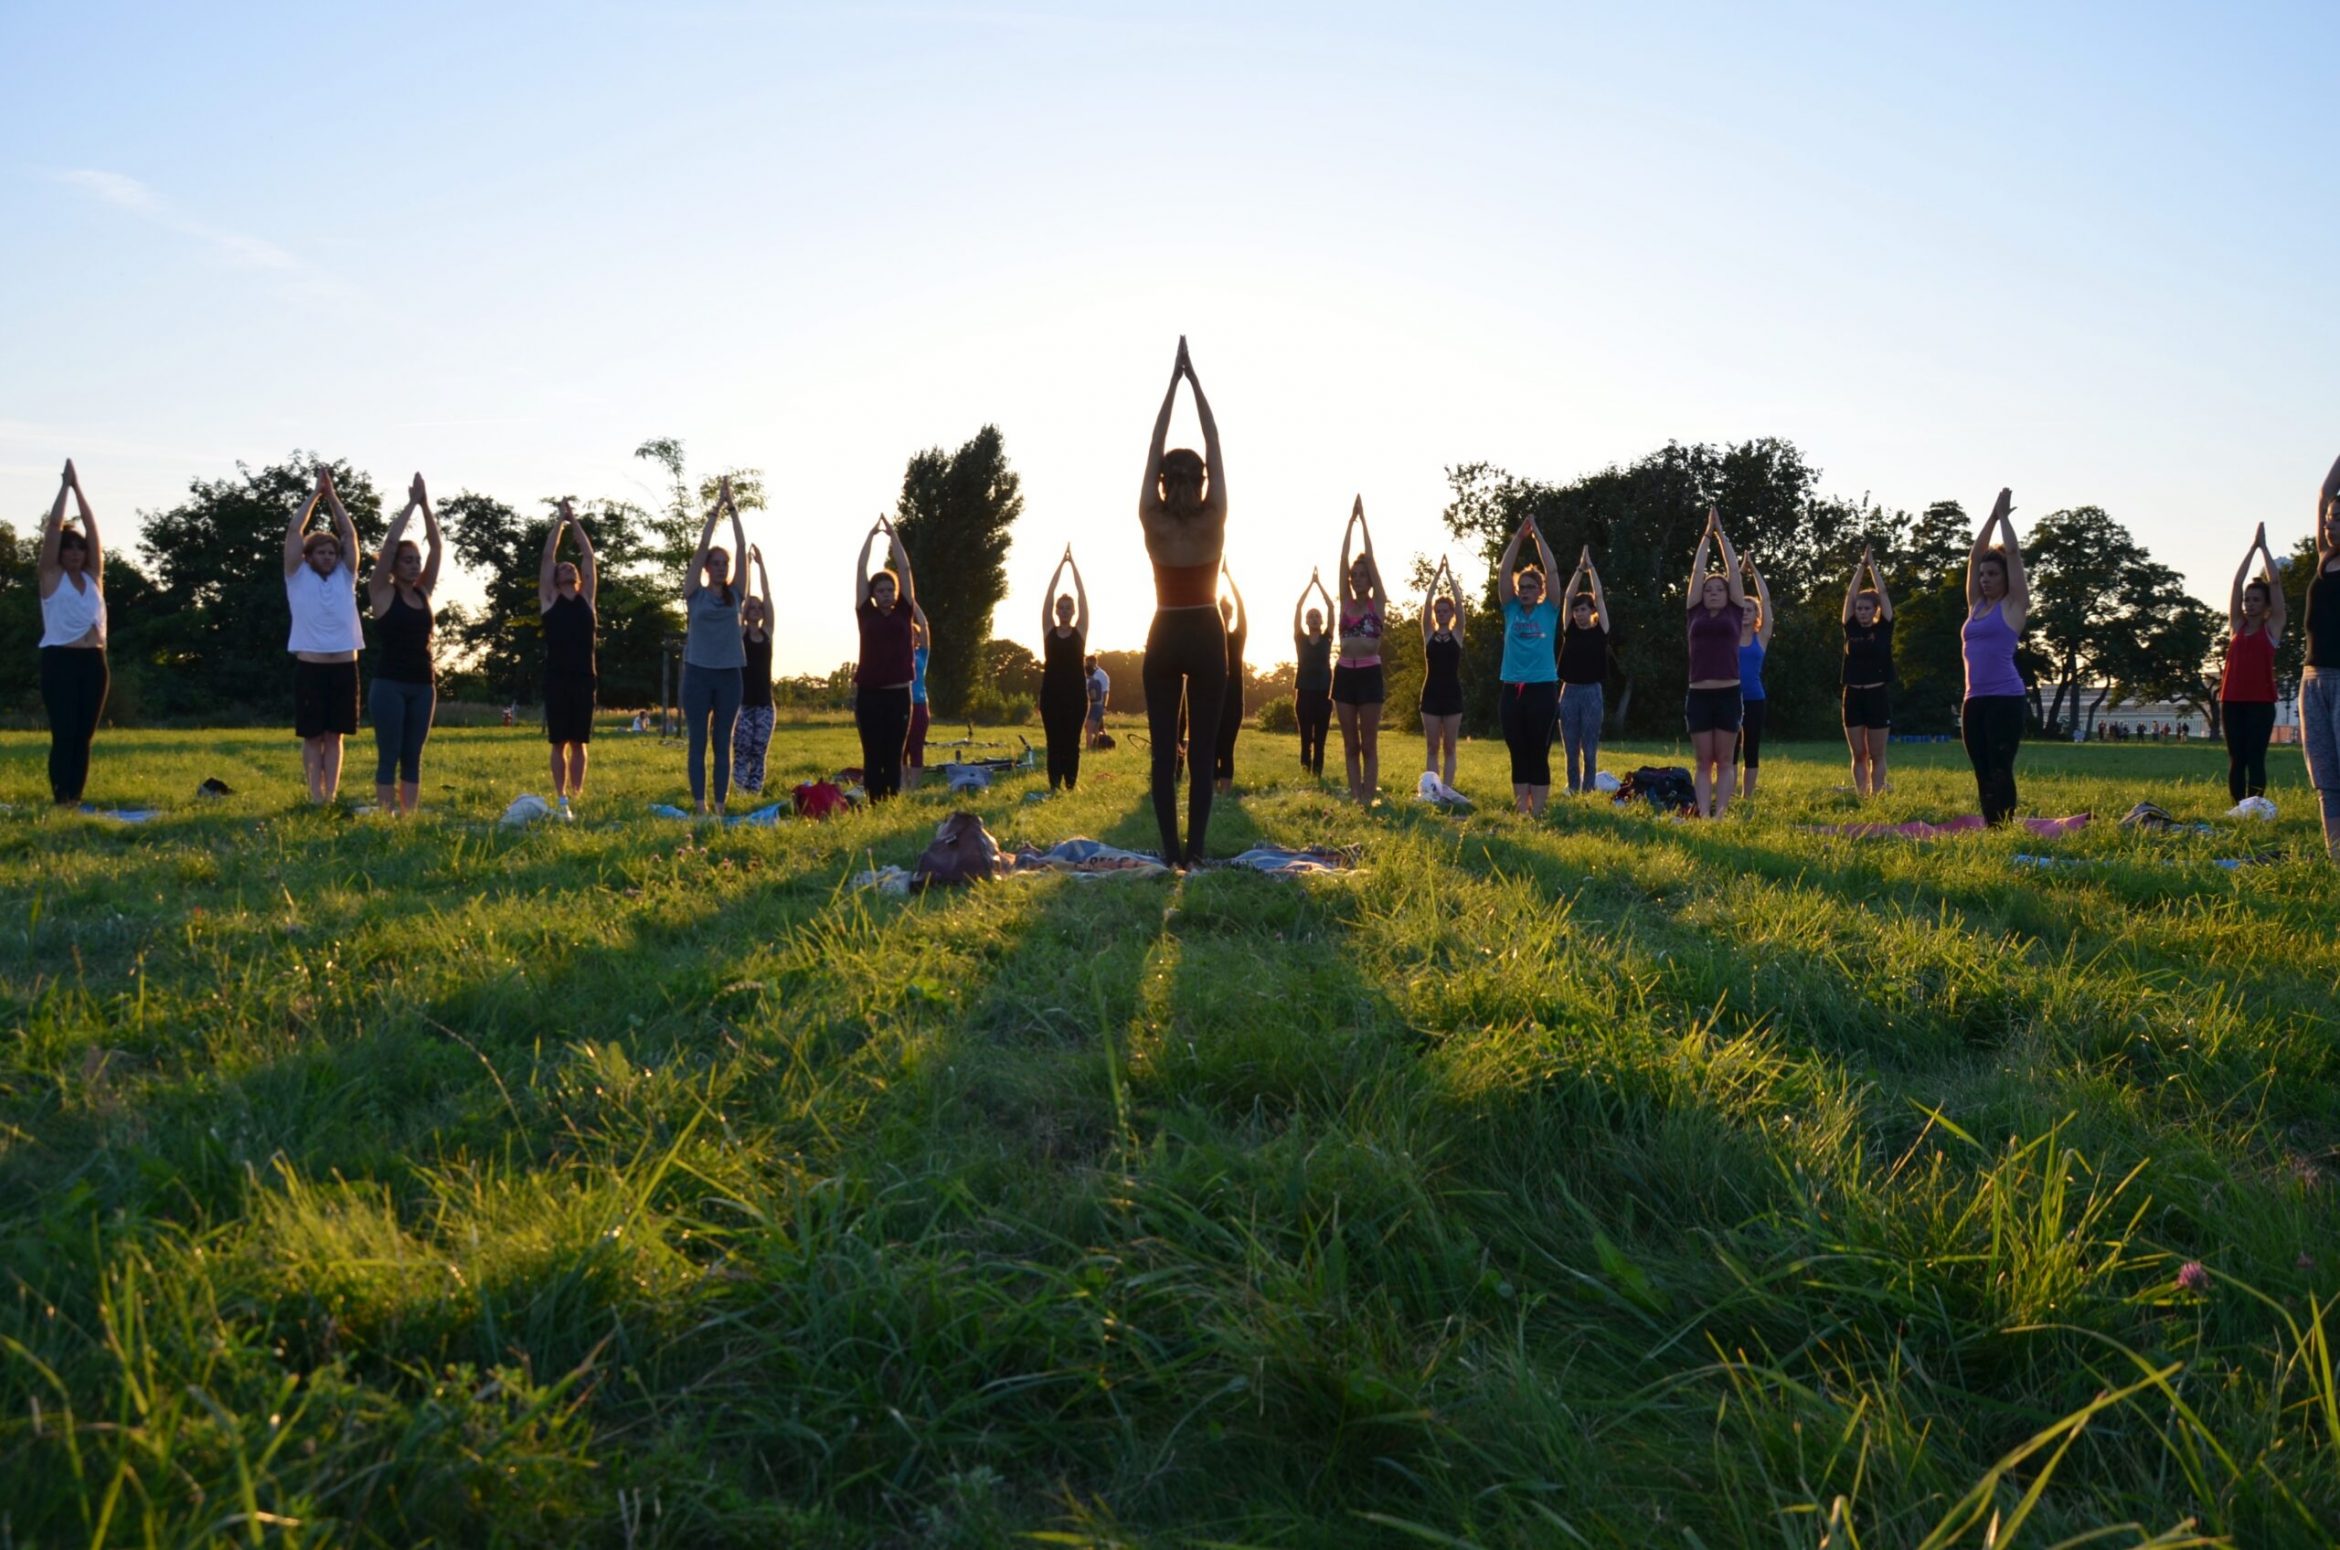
565 596
1064 690
914 746
320 588
1991 721
1529 697
1868 674
1185 523
1754 645
2319 681
1312 674
405 691
1236 619
71 573
2246 689
885 604
1584 669
1442 657
713 652
1711 710
1357 679
751 734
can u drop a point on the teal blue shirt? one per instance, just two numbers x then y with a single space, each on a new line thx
1530 653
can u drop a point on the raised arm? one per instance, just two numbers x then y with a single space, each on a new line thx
861 565
2242 575
298 528
343 527
50 566
1150 498
1852 584
2278 610
380 578
1982 543
1080 597
1380 595
2018 585
1215 502
1730 560
1300 608
739 545
902 565
1592 575
546 588
1048 595
764 589
431 545
588 566
1429 607
690 587
1348 531
1505 592
1763 599
2324 499
1693 599
1242 625
1462 615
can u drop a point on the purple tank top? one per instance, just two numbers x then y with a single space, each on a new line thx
1714 643
1988 643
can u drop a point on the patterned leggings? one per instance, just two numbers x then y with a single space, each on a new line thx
751 735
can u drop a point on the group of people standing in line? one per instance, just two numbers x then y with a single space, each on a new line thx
1554 660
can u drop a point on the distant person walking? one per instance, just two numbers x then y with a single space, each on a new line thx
1754 646
1717 626
1064 687
405 690
565 607
1528 699
1998 599
320 588
714 651
751 733
1358 683
1236 620
71 573
2255 616
1099 683
1312 679
1442 659
1584 670
2319 683
885 603
1867 676
1182 508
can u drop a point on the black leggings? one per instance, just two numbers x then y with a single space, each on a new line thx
1186 652
1526 713
1750 745
1061 714
2249 725
1992 728
73 690
1230 724
883 718
1313 707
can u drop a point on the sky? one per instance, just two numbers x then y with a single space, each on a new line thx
2086 251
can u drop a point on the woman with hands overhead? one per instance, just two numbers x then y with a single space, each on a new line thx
1998 599
1528 698
405 692
1236 620
1868 673
1754 645
714 651
1064 682
751 733
2255 616
2319 682
320 589
1182 508
884 604
1312 679
71 575
1358 684
1584 672
565 606
1442 657
1717 624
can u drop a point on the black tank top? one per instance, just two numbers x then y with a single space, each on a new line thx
755 674
1442 663
1061 674
2323 621
568 638
402 641
1314 663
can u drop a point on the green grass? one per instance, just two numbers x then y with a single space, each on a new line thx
1601 1181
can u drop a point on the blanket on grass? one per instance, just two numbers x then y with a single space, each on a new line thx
1919 829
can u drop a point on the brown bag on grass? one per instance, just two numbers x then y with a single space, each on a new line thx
963 852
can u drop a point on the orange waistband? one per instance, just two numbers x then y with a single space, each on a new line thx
1186 586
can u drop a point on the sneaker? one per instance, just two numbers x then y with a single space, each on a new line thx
566 815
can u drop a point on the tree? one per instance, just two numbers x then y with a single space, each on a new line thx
954 514
674 532
1929 608
2093 595
219 560
2175 653
2296 571
1009 668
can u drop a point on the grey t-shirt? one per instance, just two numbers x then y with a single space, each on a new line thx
713 639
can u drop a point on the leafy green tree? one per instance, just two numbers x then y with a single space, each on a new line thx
674 531
2295 571
1928 583
2093 595
954 515
218 561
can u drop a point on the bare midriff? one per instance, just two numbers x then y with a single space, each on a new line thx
1186 586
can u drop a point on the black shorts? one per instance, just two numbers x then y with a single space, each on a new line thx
1869 707
1711 710
1442 699
568 710
1358 685
325 698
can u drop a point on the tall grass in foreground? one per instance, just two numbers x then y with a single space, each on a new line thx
1598 1181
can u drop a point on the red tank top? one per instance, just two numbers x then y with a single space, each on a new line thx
2250 668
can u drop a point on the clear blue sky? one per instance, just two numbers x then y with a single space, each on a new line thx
2086 251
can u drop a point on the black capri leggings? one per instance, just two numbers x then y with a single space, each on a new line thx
73 689
883 718
1186 662
1750 746
1061 715
1992 727
1526 713
1313 709
2249 724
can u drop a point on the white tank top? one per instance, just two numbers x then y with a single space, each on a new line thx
324 610
71 612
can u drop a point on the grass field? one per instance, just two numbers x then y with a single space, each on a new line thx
1600 1181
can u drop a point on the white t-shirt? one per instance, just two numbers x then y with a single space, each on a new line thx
1100 687
324 610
